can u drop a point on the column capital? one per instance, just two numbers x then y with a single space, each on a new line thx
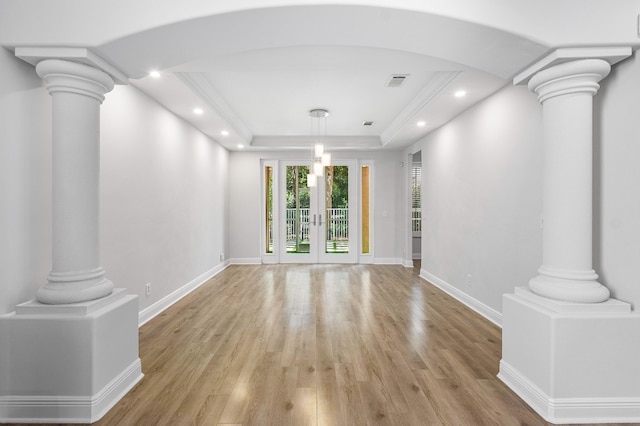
66 76
611 55
80 55
581 76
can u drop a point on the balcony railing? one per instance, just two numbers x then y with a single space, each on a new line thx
337 224
291 216
416 219
337 229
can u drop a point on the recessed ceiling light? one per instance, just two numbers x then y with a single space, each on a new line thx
224 133
240 146
198 111
421 123
460 93
154 74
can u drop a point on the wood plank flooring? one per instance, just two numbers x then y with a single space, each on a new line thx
320 345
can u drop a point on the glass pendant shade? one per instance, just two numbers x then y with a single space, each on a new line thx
318 168
319 150
326 159
312 180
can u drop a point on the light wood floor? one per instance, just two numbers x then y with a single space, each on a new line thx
320 345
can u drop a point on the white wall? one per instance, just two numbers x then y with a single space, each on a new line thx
245 201
164 191
245 205
394 193
482 192
617 181
164 187
482 197
25 185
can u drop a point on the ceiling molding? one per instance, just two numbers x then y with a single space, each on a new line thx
200 85
434 87
307 142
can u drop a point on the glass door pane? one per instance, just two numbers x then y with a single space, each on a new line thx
365 179
268 217
297 210
336 209
338 218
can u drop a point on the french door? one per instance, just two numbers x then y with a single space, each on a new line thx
317 224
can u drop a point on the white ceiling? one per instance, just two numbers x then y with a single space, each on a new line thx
262 97
257 73
257 70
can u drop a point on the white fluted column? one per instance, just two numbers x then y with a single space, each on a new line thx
566 93
77 91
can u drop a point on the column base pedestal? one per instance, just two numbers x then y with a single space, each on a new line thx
572 362
68 363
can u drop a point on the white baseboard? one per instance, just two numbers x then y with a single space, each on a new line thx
118 388
529 392
407 263
388 261
246 261
152 311
366 259
570 410
484 310
69 409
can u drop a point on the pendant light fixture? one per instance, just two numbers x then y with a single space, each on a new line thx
322 158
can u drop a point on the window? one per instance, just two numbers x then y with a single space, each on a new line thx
416 206
366 172
268 185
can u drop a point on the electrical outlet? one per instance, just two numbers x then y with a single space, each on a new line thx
147 289
468 280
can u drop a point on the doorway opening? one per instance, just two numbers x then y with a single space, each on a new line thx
416 205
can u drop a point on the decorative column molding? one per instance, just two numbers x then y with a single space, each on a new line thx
77 91
49 380
567 348
566 93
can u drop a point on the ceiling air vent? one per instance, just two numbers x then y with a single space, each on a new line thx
367 123
396 80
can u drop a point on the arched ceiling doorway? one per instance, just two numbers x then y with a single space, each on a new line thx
255 72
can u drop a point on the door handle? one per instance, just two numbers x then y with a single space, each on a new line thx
314 220
320 221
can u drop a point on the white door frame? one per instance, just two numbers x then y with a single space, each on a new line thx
279 254
317 252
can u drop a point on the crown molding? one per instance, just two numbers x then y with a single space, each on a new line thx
307 142
200 85
429 92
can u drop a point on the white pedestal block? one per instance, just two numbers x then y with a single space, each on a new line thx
68 363
572 362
